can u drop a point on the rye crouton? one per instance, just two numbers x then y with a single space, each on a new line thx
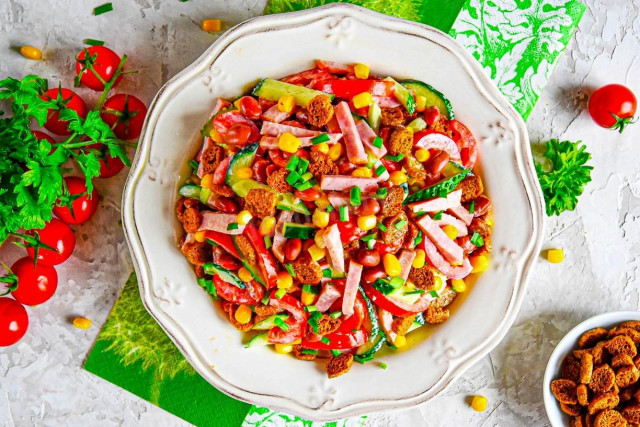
633 324
266 310
320 165
610 418
621 360
446 297
395 235
183 204
402 324
573 410
327 324
577 421
582 392
627 375
471 187
565 391
400 141
586 368
570 368
478 225
621 344
630 332
278 181
246 249
261 202
191 220
391 116
307 270
339 365
602 379
211 158
244 327
298 353
591 337
222 190
392 204
414 168
435 315
632 413
423 278
603 401
197 253
319 110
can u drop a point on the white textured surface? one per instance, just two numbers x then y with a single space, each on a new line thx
42 382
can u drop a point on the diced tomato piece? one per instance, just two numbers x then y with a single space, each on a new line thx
265 260
349 230
225 241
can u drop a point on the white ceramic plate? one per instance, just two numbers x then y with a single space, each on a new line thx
566 346
274 46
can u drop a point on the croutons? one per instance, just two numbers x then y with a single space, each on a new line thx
621 344
320 165
392 204
244 327
327 324
423 278
400 141
339 365
577 421
446 297
573 410
414 168
395 235
261 202
410 238
591 337
586 368
350 249
319 110
197 253
266 310
307 270
183 204
435 315
630 332
211 158
223 190
402 324
246 249
610 418
278 181
570 368
633 324
565 391
582 392
298 353
602 379
632 413
478 225
603 401
191 220
621 360
391 116
627 375
471 188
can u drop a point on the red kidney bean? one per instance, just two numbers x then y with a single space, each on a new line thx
226 205
368 207
237 134
482 206
438 162
371 274
308 195
368 257
229 262
292 249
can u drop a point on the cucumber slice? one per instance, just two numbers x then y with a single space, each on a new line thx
242 187
440 189
275 89
375 112
400 294
191 191
270 321
370 347
291 230
242 159
258 340
204 195
253 269
403 95
433 96
224 274
451 169
373 318
417 124
289 202
417 322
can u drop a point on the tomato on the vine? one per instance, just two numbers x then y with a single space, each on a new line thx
64 98
41 135
125 114
104 63
59 236
109 166
36 284
613 106
82 207
14 321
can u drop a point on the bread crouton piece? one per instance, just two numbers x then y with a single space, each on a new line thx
446 297
577 421
211 158
573 410
633 324
621 344
392 204
261 202
565 391
632 413
602 379
471 187
402 324
610 418
414 168
350 249
627 394
582 393
570 368
266 310
278 181
423 278
400 141
222 190
246 249
630 332
320 164
319 110
391 116
183 204
327 324
339 365
298 353
191 220
626 376
244 327
600 356
482 227
394 235
586 368
307 270
603 401
621 360
197 253
591 337
435 315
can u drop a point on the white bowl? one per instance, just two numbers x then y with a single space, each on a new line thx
274 46
566 346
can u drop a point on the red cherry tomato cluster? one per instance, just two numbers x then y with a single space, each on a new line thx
33 280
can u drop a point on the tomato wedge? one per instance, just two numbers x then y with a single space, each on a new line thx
297 321
265 260
378 298
338 341
252 294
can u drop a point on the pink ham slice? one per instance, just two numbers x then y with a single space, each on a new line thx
462 213
345 182
328 295
353 143
454 222
335 250
450 249
332 67
277 129
386 323
220 174
190 238
439 203
351 288
271 142
279 240
341 199
367 135
384 176
459 272
440 142
420 305
386 101
217 221
406 261
274 115
221 104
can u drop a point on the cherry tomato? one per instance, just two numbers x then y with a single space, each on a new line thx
36 284
41 135
261 169
354 321
13 321
83 207
250 108
466 143
58 235
64 98
125 114
252 294
613 106
109 166
105 62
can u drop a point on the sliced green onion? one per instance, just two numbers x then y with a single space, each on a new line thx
99 10
433 294
310 289
320 139
313 320
380 170
472 206
368 237
398 225
327 273
290 269
382 193
330 208
325 340
292 164
93 42
477 239
280 293
344 214
363 359
415 291
396 282
418 238
382 227
293 177
265 300
193 164
395 158
355 196
211 242
371 244
307 176
232 226
335 314
438 216
420 214
308 351
303 165
267 242
377 142
383 365
303 186
311 308
281 324
335 352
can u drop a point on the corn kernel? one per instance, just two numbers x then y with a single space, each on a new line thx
243 314
288 143
422 155
400 341
200 236
207 181
363 172
489 222
244 173
361 70
458 285
211 25
367 222
284 348
320 219
319 239
316 252
307 298
323 202
286 103
398 177
437 283
555 256
245 275
335 151
420 259
267 226
244 217
479 403
421 103
479 262
31 52
323 147
285 281
216 136
391 265
362 100
450 231
81 323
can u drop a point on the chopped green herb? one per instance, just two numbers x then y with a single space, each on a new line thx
311 289
395 158
327 273
93 42
325 340
382 227
377 142
438 215
281 324
368 237
309 351
472 206
383 365
335 314
371 244
232 226
355 196
362 359
284 208
303 186
396 282
193 164
335 352
303 165
293 177
211 242
265 300
380 170
418 238
107 7
320 139
208 285
290 269
267 242
382 193
344 214
280 293
292 164
311 308
307 176
383 286
415 291
313 320
400 224
433 294
477 239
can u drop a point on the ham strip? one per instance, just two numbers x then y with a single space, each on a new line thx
217 221
459 272
341 199
351 288
455 222
279 241
440 142
353 143
367 135
462 213
386 323
273 114
406 261
221 104
450 249
335 251
328 295
271 142
420 305
385 174
277 129
439 203
345 182
386 101
190 238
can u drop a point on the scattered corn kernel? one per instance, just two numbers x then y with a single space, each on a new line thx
362 100
243 314
81 323
267 226
400 341
316 252
335 151
31 52
207 181
288 143
285 281
479 262
367 222
363 172
421 103
458 285
450 231
361 70
419 260
320 219
286 103
244 173
244 217
284 348
244 275
391 265
323 202
323 147
422 155
479 403
216 136
555 256
438 282
489 222
319 239
211 25
199 236
307 298
398 177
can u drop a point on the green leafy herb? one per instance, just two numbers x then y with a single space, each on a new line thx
477 239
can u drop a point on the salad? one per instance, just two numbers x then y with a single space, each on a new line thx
333 211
